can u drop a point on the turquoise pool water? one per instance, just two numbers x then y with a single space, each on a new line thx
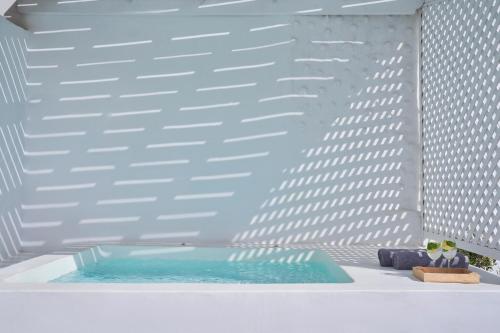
159 270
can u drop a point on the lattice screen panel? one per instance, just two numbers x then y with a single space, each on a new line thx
461 129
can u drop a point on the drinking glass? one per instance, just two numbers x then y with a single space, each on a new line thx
434 250
449 250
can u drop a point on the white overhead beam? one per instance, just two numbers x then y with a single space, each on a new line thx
5 5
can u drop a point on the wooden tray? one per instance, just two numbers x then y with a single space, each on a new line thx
445 275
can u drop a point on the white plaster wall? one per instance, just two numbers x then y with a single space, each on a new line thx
315 142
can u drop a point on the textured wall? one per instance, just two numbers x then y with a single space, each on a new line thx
461 125
258 128
13 96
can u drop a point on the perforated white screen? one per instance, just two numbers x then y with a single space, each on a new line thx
461 126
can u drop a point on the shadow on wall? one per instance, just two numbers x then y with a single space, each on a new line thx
286 129
13 96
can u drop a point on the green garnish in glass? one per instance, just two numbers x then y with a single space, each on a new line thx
449 250
434 250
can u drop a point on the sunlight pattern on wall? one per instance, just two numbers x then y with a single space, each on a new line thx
351 186
269 129
134 135
13 95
